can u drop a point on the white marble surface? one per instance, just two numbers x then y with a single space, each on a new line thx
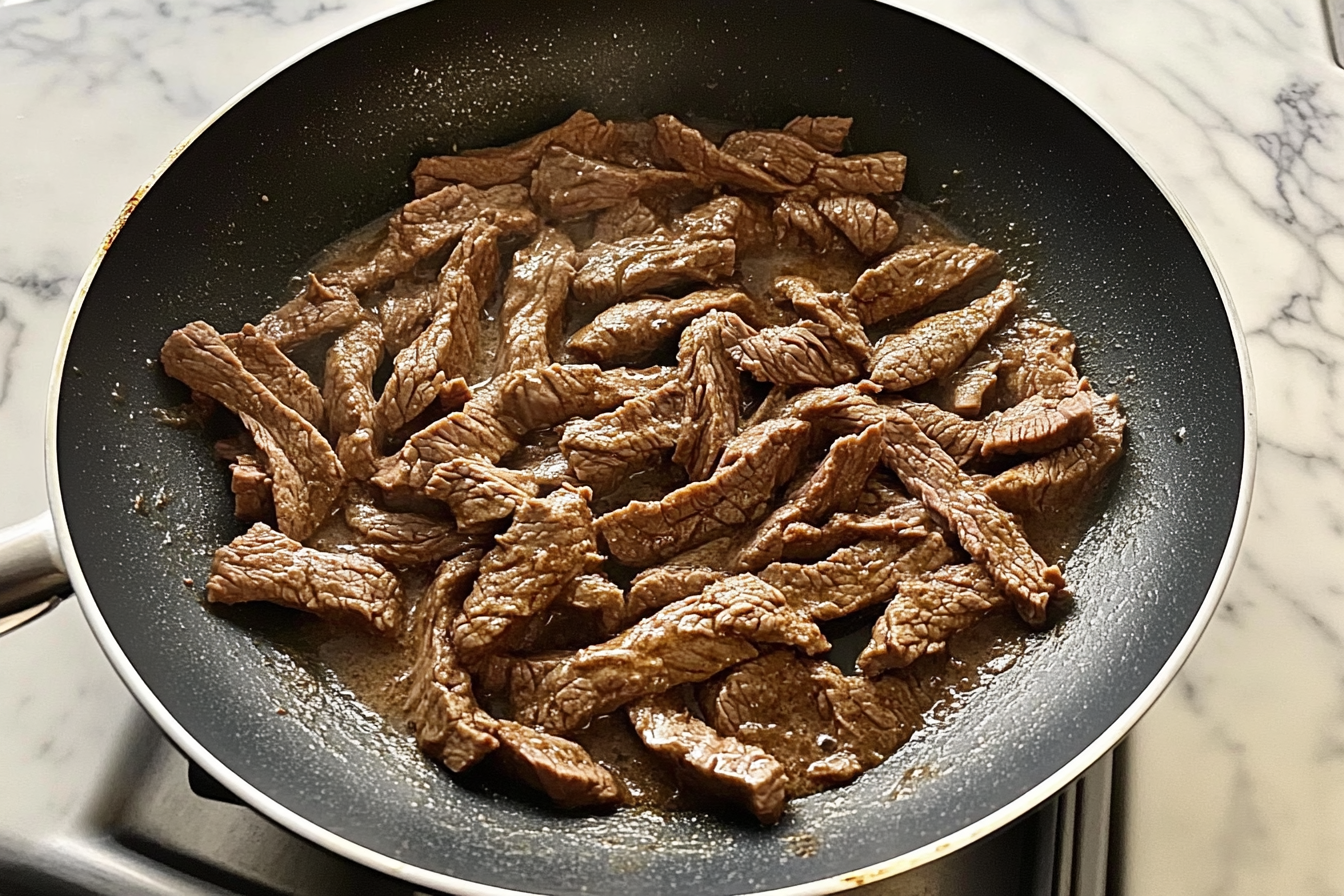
1237 780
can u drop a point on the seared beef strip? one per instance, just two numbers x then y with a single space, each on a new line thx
738 493
251 486
915 275
609 272
262 564
721 766
787 156
834 310
307 477
1040 424
687 641
595 593
879 172
603 451
479 492
534 301
559 768
566 185
623 220
476 429
906 520
962 439
550 542
631 331
825 132
1037 359
867 225
712 396
926 612
688 573
795 161
404 311
743 221
693 152
263 359
803 354
403 538
966 390
318 310
347 386
798 224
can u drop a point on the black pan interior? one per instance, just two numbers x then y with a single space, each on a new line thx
327 144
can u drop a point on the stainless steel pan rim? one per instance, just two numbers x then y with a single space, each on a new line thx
872 873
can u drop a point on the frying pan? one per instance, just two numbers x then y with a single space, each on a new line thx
325 144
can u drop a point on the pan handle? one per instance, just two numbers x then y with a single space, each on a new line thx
32 574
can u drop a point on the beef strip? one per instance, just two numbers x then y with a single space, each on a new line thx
688 573
966 390
823 726
798 224
833 310
603 451
693 152
712 396
404 311
609 272
595 593
534 301
566 185
687 641
347 386
1037 359
926 612
772 405
802 541
868 226
915 275
479 493
803 354
721 766
631 331
551 541
834 485
879 172
262 358
786 156
1069 476
476 429
623 220
320 309
938 345
728 218
962 439
825 132
403 538
1040 423
307 477
557 767
251 486
263 564
738 493
449 725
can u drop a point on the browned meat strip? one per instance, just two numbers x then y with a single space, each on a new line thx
631 331
937 345
962 439
825 132
566 185
1069 476
624 220
684 642
712 397
307 477
798 223
926 612
603 451
449 725
721 766
865 224
1037 359
802 541
475 430
692 151
662 585
787 156
915 275
262 564
546 396
728 218
403 538
534 301
823 726
479 492
320 309
550 542
965 391
404 311
347 386
772 405
609 272
803 354
557 767
251 487
833 310
753 466
263 359
1040 424
595 593
879 172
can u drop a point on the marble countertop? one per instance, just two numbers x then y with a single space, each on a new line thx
1236 777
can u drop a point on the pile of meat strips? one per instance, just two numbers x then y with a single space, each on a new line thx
632 424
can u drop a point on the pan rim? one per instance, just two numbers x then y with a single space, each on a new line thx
315 833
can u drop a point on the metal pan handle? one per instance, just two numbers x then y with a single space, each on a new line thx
32 574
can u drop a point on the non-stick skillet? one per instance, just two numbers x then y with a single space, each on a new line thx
325 145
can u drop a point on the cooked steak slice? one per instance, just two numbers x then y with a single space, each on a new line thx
1037 359
721 766
534 301
823 726
603 451
550 542
825 132
623 220
738 493
659 586
908 520
864 223
449 725
712 398
476 429
547 396
962 439
926 612
833 310
403 538
320 309
251 487
915 275
835 484
687 641
1068 476
566 185
447 347
855 577
938 345
557 767
965 391
263 359
798 223
728 218
404 311
424 226
307 477
595 593
609 272
347 386
631 331
262 564
802 354
1040 423
787 156
693 152
879 172
582 133
479 492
